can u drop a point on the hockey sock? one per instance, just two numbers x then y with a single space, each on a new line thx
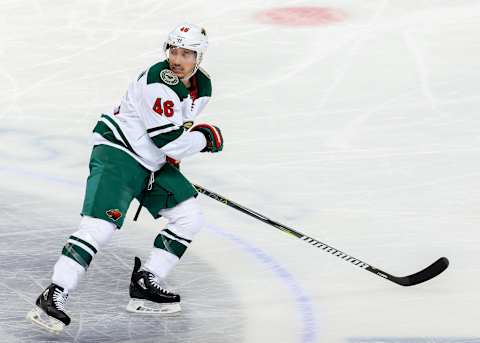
167 251
184 221
174 244
78 252
161 262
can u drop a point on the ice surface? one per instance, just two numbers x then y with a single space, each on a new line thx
364 134
99 304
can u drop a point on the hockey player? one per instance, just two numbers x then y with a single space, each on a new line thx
152 124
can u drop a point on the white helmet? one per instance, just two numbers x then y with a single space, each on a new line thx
188 36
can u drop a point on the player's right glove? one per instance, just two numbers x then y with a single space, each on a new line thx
212 135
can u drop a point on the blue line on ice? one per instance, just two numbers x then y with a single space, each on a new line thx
303 302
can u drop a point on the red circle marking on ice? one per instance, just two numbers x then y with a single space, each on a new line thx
301 16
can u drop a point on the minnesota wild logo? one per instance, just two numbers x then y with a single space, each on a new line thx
114 214
169 77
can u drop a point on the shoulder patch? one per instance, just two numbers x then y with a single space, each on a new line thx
160 73
169 77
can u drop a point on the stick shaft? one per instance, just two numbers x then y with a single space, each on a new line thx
426 274
284 228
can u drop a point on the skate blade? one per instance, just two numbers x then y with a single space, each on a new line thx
148 307
41 319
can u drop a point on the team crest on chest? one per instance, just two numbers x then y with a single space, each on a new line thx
169 77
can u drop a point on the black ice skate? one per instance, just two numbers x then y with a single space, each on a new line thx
147 296
49 313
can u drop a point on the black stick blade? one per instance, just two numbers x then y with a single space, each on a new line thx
426 274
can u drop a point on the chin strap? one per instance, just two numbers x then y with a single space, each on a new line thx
185 79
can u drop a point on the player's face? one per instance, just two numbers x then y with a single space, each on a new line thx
182 61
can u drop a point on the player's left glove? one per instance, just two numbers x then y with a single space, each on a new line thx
213 136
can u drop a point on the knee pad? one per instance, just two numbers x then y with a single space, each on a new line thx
97 232
184 220
83 244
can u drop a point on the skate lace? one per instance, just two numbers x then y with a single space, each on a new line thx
59 299
156 283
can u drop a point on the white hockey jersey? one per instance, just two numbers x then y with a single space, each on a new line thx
148 123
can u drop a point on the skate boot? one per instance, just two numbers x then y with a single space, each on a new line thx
147 296
49 313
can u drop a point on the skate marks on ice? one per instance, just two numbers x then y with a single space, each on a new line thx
32 233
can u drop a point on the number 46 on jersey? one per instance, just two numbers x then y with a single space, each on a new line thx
163 107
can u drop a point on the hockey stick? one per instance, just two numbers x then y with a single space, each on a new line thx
426 274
